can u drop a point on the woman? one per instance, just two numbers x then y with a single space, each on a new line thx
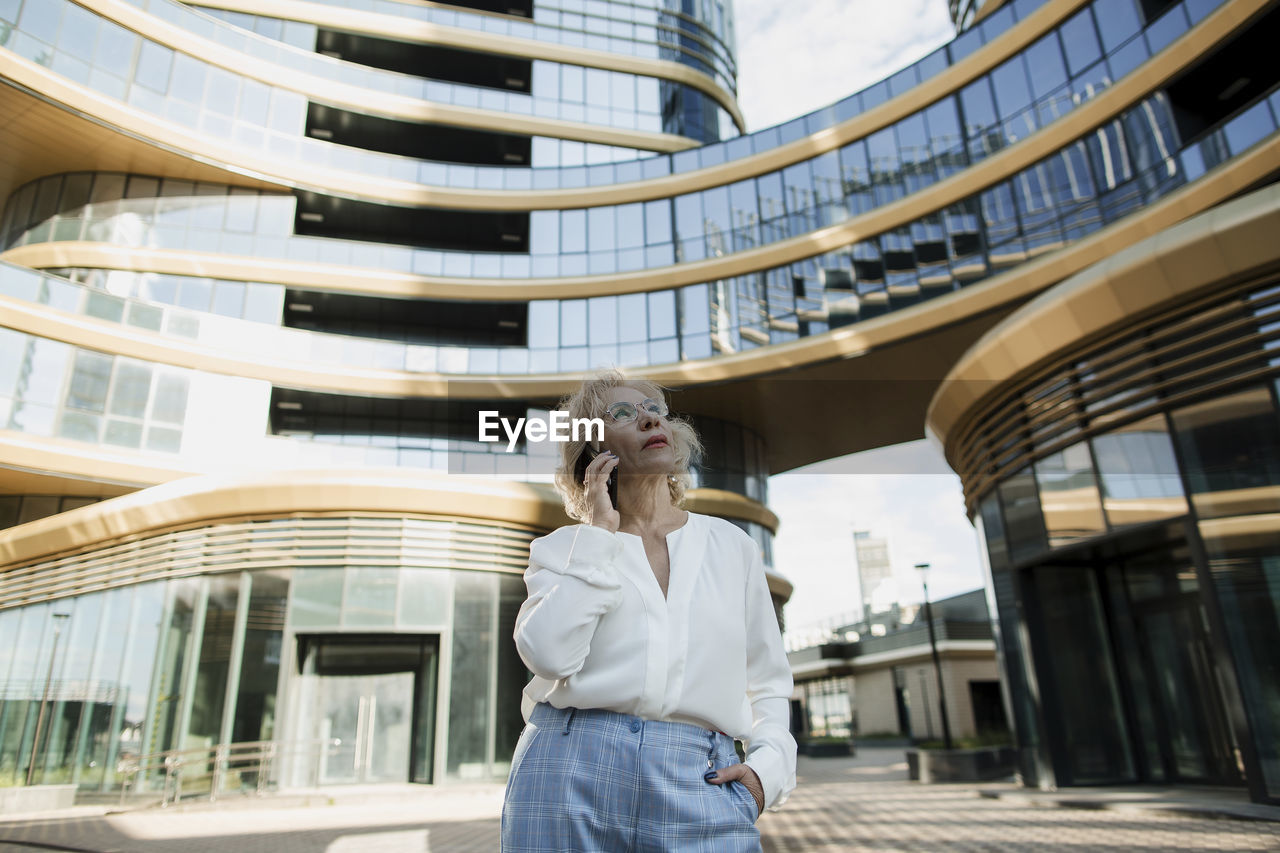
653 643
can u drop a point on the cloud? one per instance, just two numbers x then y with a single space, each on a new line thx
796 57
921 514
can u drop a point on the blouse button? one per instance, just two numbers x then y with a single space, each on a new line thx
635 725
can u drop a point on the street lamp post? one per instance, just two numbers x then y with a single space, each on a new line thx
58 619
923 568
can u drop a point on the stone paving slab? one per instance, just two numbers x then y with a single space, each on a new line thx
864 803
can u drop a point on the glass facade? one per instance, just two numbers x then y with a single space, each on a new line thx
530 195
188 662
1134 554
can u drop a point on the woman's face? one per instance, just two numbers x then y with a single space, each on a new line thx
643 446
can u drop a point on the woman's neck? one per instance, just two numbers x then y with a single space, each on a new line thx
644 504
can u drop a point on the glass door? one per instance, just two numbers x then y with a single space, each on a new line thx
1182 686
366 709
371 717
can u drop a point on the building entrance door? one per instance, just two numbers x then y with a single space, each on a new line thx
367 703
1179 696
371 718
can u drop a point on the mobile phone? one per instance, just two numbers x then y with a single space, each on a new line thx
611 485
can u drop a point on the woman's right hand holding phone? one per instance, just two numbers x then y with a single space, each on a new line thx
603 513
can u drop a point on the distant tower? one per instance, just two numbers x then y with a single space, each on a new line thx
875 575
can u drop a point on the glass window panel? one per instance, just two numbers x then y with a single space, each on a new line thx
573 231
315 598
773 211
425 598
856 178
1024 523
170 405
1044 61
472 667
213 663
123 433
1246 571
1013 93
657 222
544 324
1069 495
603 320
131 388
90 378
600 229
744 215
544 232
630 226
1123 21
1230 448
1080 41
1078 678
662 314
573 323
689 227
717 222
154 66
1139 473
632 318
29 656
981 127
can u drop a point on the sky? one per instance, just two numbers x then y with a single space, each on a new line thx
795 57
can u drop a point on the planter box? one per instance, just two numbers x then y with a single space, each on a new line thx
37 798
961 765
827 749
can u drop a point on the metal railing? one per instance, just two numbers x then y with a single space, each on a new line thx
216 763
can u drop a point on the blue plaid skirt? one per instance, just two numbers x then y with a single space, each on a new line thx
599 781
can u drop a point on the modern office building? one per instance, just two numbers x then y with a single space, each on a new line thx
263 263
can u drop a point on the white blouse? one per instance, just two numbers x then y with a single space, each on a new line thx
597 633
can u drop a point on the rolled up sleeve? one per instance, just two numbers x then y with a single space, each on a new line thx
572 581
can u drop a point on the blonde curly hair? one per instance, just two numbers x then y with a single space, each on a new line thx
590 401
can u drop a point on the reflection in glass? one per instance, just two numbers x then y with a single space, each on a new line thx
470 700
1077 680
1139 473
1024 525
1069 495
1230 449
1244 563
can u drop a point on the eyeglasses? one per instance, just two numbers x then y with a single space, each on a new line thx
624 412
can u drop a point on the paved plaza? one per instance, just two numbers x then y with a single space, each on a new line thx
843 804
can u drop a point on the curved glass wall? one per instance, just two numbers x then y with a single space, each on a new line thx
613 98
1066 67
1138 523
1103 177
186 662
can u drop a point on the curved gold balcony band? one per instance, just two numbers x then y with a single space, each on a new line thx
848 342
111 533
372 101
288 173
407 30
985 10
1228 242
226 498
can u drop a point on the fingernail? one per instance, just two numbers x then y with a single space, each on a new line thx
710 775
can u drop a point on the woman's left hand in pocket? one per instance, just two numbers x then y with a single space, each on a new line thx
744 774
